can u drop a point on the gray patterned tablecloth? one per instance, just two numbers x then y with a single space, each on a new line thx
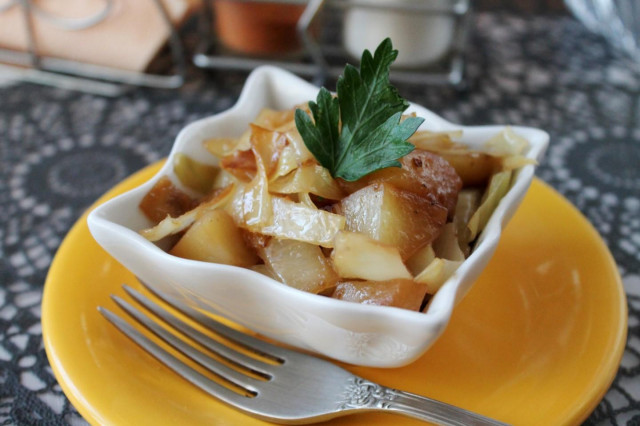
60 150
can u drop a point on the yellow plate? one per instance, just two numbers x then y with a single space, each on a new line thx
537 340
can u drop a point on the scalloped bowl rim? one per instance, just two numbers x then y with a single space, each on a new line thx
114 228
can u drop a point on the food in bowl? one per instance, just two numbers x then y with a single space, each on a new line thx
287 201
356 333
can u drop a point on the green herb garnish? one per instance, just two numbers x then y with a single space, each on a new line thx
370 109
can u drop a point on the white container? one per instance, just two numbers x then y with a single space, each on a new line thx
421 38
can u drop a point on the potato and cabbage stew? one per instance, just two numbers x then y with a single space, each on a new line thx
390 237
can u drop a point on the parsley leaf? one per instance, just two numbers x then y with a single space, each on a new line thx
370 109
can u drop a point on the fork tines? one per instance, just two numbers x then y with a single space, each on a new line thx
237 377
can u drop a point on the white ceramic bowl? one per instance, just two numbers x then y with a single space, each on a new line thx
359 334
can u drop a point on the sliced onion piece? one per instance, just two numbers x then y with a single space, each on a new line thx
274 119
498 187
311 178
468 202
305 198
222 147
421 259
269 145
514 162
297 221
506 143
256 201
437 141
240 164
302 152
446 245
287 162
437 273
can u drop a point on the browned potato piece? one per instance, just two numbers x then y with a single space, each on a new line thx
298 264
393 216
399 293
173 226
215 238
437 179
423 173
164 200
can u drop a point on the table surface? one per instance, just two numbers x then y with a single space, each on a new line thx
60 150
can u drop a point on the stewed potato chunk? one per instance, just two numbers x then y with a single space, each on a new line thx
422 173
298 264
215 238
393 216
357 256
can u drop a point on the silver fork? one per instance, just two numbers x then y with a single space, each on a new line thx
282 385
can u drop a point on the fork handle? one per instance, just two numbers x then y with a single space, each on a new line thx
366 395
434 411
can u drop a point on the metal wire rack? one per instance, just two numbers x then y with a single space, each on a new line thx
33 67
323 55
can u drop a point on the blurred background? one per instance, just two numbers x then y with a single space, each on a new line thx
102 41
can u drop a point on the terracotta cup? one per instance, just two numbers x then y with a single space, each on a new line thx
258 28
